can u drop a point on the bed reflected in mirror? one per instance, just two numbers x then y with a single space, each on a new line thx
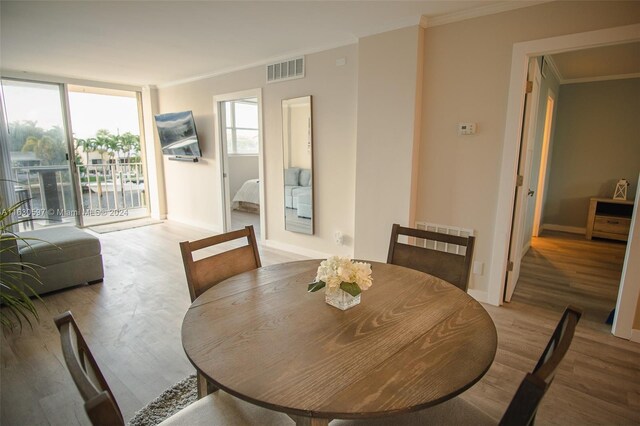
298 164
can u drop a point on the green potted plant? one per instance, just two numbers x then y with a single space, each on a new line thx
15 293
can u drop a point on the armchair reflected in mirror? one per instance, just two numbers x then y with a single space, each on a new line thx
297 144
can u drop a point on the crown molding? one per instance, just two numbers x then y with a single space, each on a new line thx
553 67
404 23
253 65
600 78
480 11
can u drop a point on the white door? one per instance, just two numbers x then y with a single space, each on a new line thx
523 193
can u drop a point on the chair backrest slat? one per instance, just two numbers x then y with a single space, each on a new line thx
447 266
100 404
558 345
450 267
523 406
204 273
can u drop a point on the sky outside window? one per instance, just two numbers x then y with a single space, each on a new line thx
91 112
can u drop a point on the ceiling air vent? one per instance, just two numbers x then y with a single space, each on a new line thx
285 70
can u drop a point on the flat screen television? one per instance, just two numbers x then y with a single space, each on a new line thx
177 133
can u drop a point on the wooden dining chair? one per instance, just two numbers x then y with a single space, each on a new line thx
522 408
99 402
204 273
452 267
101 406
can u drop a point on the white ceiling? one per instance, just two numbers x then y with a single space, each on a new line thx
159 42
598 63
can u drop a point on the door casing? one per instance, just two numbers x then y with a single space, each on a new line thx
225 200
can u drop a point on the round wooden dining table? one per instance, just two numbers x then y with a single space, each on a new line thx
414 341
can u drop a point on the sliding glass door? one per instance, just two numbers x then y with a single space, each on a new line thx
96 177
107 143
39 150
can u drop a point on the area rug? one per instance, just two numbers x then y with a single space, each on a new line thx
121 226
168 403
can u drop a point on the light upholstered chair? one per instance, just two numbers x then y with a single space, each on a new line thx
101 406
524 405
204 273
451 267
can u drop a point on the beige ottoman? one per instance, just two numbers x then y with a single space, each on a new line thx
66 256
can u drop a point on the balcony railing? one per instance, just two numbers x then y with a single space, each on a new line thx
108 190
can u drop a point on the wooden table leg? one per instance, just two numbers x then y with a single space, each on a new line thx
310 421
204 387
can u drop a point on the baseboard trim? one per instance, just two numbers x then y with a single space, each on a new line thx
195 223
480 295
312 254
563 228
635 336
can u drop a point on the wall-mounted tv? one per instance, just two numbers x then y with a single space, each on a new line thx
177 133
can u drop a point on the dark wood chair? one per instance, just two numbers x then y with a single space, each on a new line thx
102 409
451 267
204 273
522 408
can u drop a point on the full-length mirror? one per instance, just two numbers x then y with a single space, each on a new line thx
298 164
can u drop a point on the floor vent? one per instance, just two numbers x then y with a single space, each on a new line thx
285 70
443 229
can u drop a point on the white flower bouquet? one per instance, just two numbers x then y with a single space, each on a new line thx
342 273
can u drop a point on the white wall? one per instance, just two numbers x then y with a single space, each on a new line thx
363 187
627 320
299 136
193 190
596 143
466 78
387 81
241 169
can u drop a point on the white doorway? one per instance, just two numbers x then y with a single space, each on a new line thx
522 52
239 137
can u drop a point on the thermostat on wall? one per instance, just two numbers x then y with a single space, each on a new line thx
466 128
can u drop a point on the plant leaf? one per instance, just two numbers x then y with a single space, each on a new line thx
315 286
351 288
17 277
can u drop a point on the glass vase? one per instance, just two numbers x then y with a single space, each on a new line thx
340 298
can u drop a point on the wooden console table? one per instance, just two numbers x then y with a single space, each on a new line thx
609 218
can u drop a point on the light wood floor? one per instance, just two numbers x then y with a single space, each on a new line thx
132 322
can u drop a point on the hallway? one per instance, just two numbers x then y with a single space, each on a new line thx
564 269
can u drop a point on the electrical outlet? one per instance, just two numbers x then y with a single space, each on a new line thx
339 238
478 267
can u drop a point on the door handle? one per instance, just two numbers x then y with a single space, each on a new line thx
530 193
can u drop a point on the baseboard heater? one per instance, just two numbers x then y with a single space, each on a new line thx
443 229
